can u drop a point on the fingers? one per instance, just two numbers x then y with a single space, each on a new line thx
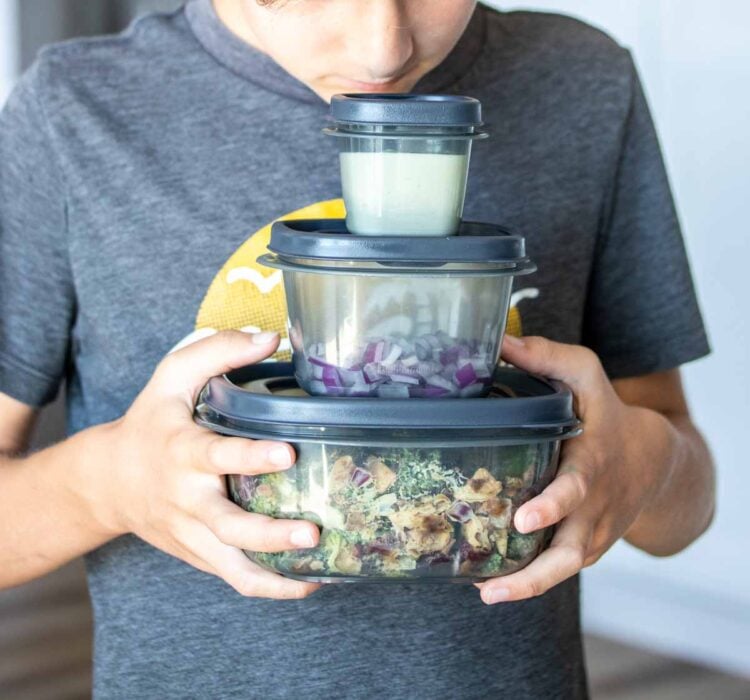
189 368
564 558
227 455
258 533
238 571
566 493
575 365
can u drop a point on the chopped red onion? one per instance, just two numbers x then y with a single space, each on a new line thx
433 365
372 373
360 477
437 380
379 351
369 354
461 512
471 391
331 377
410 361
404 379
351 377
465 375
393 391
393 355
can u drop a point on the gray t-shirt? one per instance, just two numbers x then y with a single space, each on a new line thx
133 167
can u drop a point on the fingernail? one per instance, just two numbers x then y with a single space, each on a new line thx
302 538
531 522
279 456
264 338
514 340
497 595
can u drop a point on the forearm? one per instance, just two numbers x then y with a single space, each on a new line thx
51 509
683 504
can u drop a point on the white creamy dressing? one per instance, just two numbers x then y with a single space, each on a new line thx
419 194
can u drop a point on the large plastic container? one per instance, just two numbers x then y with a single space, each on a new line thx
395 317
404 160
400 492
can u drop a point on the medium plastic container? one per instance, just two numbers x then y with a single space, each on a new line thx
399 492
404 160
387 316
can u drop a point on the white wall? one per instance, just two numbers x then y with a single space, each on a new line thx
8 46
694 58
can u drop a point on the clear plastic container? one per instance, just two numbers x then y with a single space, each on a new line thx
396 321
395 335
404 161
398 494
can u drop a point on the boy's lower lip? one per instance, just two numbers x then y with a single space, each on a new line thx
369 87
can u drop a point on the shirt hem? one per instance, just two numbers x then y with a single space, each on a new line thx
637 365
26 384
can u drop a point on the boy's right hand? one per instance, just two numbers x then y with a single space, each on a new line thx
165 481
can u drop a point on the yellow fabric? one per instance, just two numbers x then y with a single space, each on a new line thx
245 293
242 302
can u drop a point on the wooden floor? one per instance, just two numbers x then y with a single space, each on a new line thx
619 672
45 652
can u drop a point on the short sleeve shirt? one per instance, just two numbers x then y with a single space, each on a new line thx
138 176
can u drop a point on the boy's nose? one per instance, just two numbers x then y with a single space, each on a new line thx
383 45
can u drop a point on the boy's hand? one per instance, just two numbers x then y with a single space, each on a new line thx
606 477
167 482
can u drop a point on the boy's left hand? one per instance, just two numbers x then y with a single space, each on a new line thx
607 476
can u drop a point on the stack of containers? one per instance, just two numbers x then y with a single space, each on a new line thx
401 301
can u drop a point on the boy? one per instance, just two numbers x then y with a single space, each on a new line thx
132 167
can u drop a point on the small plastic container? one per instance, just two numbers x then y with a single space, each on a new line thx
399 493
404 160
395 317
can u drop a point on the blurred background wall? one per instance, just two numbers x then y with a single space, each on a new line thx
695 63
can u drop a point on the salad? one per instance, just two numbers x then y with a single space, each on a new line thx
433 365
397 512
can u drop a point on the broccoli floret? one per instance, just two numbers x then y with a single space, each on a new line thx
492 565
421 473
274 495
263 505
523 546
515 460
330 545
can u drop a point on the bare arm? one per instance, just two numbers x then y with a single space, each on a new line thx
683 507
48 514
640 470
153 473
16 426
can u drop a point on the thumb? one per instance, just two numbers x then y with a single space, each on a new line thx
188 369
575 365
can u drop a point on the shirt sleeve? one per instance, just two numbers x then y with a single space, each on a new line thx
37 299
641 314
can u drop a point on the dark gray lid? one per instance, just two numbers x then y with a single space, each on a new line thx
329 240
521 408
406 109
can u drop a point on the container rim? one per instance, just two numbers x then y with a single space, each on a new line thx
406 109
542 410
341 132
330 240
413 268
